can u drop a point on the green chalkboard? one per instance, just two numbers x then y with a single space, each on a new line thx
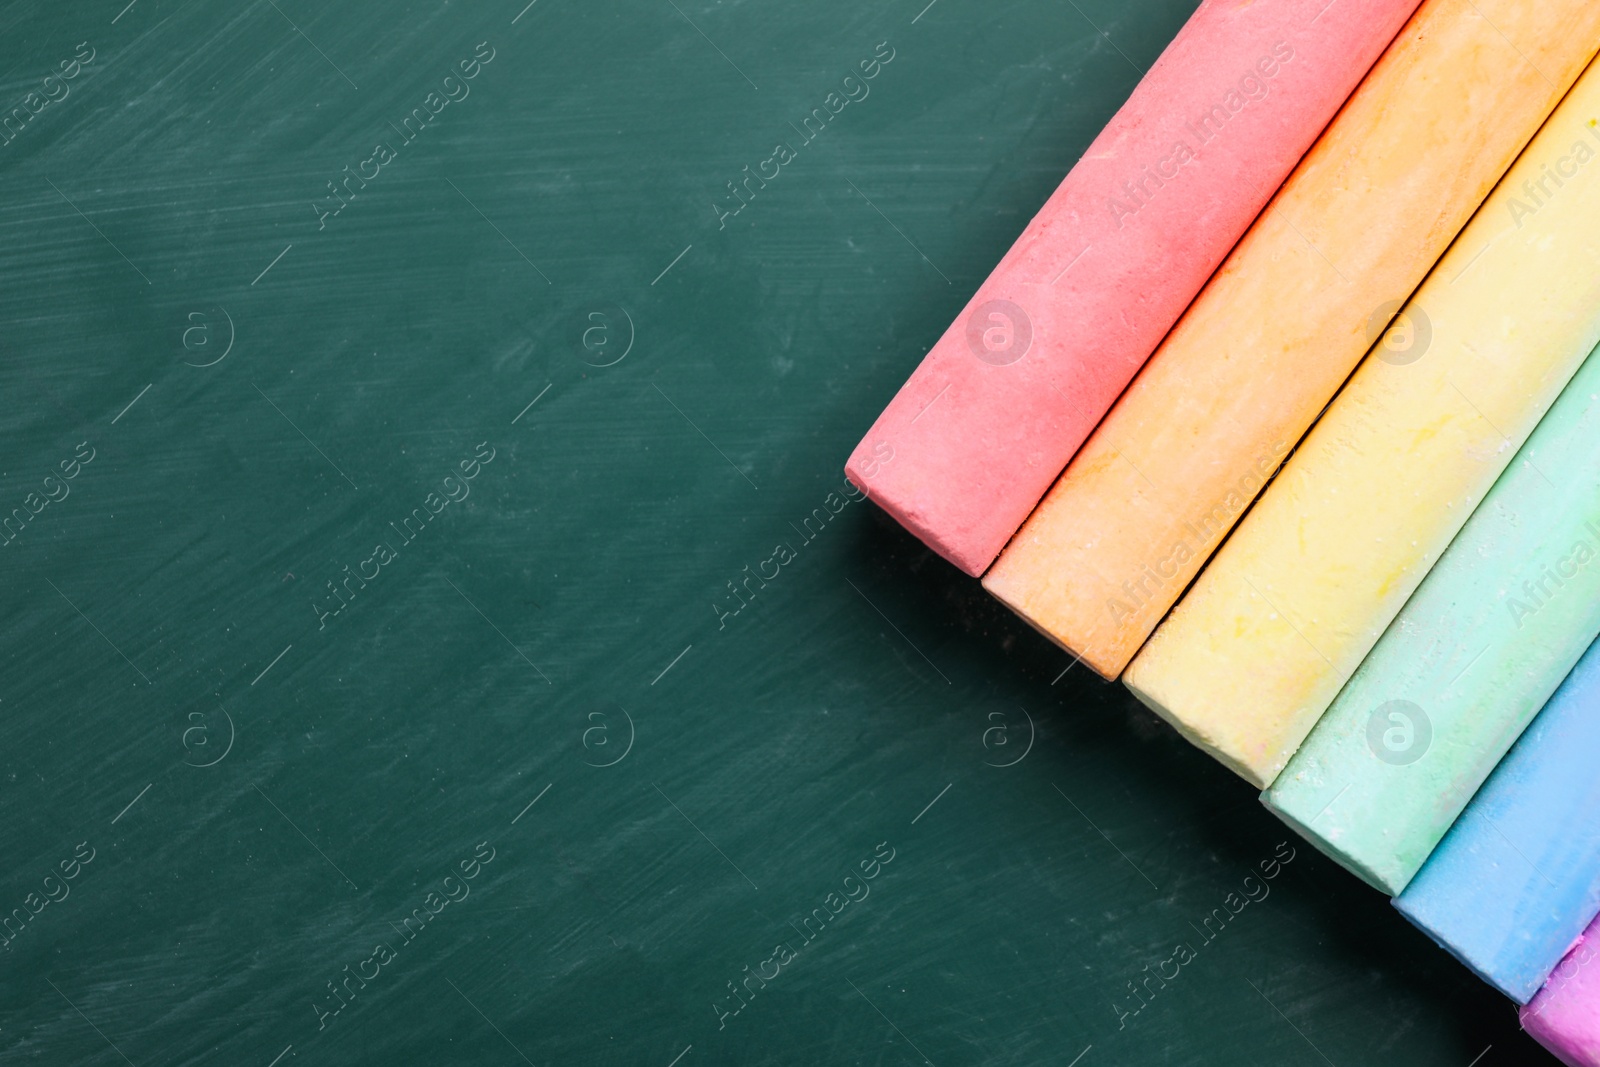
436 630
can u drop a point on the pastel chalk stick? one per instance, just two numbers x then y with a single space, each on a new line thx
1477 650
1276 332
1565 1016
1517 878
998 406
1290 605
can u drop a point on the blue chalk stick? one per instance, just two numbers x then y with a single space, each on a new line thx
1517 878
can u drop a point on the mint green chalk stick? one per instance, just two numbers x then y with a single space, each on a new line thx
1476 651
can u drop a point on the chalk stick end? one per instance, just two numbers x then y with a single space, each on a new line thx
1015 596
1565 1016
1390 883
1216 746
970 555
1519 985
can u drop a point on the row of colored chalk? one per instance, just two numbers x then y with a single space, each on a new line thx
1403 586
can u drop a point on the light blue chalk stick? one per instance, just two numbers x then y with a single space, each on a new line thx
1517 878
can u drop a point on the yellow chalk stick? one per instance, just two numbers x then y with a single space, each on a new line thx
1269 341
1294 600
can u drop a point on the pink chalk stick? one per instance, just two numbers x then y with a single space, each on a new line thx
1565 1016
982 428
